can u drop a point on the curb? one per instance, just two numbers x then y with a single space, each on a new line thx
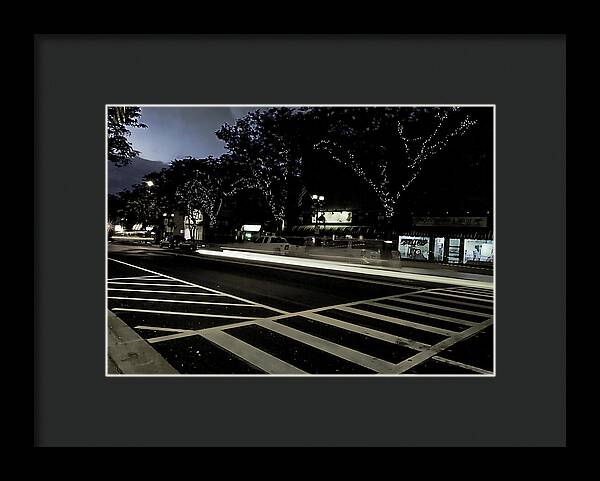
129 353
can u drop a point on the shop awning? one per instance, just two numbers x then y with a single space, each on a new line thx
342 230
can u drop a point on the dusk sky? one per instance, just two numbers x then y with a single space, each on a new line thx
176 132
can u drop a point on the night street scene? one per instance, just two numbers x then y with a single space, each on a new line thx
300 240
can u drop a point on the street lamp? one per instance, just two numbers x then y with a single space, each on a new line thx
318 201
149 183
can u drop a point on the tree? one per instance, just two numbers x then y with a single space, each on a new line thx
120 150
265 146
387 147
202 185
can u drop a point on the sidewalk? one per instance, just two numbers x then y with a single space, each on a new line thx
128 353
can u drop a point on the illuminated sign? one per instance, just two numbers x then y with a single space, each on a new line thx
251 228
333 217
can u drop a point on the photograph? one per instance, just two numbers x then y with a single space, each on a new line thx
300 240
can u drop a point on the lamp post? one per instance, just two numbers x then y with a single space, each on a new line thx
318 202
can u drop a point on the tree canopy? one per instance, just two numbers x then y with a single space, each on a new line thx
119 120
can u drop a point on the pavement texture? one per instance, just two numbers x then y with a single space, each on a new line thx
128 353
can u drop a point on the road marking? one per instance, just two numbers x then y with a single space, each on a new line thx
445 308
147 284
166 292
447 294
476 294
453 301
423 314
476 290
262 360
194 314
277 317
182 302
394 320
337 350
460 364
166 329
132 278
367 331
439 347
201 287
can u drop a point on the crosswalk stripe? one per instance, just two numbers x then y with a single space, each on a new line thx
474 289
337 350
426 314
198 286
453 301
147 284
439 347
166 329
466 296
130 278
181 302
394 320
167 292
194 314
460 364
437 306
367 331
251 354
476 295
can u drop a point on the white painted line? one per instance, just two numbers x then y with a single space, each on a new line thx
475 295
167 292
182 302
466 296
194 314
444 308
166 329
367 331
201 287
283 316
424 314
262 360
439 347
147 284
460 364
394 320
131 278
453 301
356 357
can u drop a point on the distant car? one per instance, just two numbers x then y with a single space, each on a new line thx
272 243
172 241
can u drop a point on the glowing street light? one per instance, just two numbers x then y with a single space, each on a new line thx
149 183
318 199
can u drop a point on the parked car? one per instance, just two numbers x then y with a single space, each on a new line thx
272 243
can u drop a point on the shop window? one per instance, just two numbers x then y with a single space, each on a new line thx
453 251
438 250
478 251
415 248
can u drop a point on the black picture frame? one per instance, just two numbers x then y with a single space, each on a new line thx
77 75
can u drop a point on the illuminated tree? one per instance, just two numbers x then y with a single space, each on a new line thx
202 185
388 147
265 148
119 119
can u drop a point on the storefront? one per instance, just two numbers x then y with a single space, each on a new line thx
453 248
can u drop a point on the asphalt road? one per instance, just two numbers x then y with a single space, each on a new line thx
215 316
